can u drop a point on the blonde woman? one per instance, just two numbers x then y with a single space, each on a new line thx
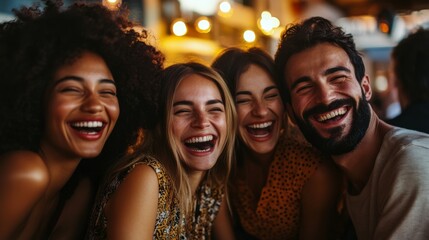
173 186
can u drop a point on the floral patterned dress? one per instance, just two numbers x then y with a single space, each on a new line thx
170 221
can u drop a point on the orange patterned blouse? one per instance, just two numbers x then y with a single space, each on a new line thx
277 213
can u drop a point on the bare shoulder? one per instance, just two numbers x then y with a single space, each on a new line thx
141 174
24 179
140 182
25 169
132 209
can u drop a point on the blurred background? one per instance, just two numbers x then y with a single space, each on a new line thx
199 29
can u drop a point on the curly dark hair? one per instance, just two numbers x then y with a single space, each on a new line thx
38 42
308 33
411 57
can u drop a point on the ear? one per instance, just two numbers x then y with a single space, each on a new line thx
366 87
290 114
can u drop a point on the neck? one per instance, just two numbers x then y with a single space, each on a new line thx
358 164
60 168
262 160
195 179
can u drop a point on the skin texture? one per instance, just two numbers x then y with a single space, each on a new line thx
89 96
198 111
32 181
311 84
258 104
328 108
198 115
321 81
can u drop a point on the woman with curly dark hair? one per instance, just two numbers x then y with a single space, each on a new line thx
75 84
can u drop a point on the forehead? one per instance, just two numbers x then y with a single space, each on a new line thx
86 63
196 86
254 77
315 60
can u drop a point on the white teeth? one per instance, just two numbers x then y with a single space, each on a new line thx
261 125
88 124
200 139
332 114
201 150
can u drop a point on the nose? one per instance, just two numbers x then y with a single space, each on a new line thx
260 109
201 120
92 104
324 94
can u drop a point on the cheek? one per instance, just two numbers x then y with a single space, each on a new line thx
278 108
178 126
113 110
58 109
242 112
300 102
221 126
297 108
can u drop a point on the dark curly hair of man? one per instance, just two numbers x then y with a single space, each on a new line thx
39 41
308 33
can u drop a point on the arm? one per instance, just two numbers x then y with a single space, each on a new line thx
23 182
222 227
319 203
131 212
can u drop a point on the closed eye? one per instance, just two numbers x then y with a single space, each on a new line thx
181 111
272 96
108 92
70 90
242 101
303 88
341 78
216 109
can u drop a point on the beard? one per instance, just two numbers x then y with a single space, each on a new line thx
336 144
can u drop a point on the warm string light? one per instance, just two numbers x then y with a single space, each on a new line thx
225 7
266 23
179 28
112 5
203 25
249 36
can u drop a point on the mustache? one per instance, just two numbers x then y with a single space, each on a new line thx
322 108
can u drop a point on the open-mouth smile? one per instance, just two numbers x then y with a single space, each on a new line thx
260 129
88 127
333 115
201 144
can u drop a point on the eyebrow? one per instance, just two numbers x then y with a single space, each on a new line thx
190 103
336 69
326 72
249 93
79 79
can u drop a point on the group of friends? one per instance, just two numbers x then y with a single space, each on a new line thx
98 140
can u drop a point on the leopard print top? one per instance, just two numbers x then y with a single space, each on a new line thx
170 222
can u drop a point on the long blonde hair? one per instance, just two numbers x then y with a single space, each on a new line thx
160 142
218 175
